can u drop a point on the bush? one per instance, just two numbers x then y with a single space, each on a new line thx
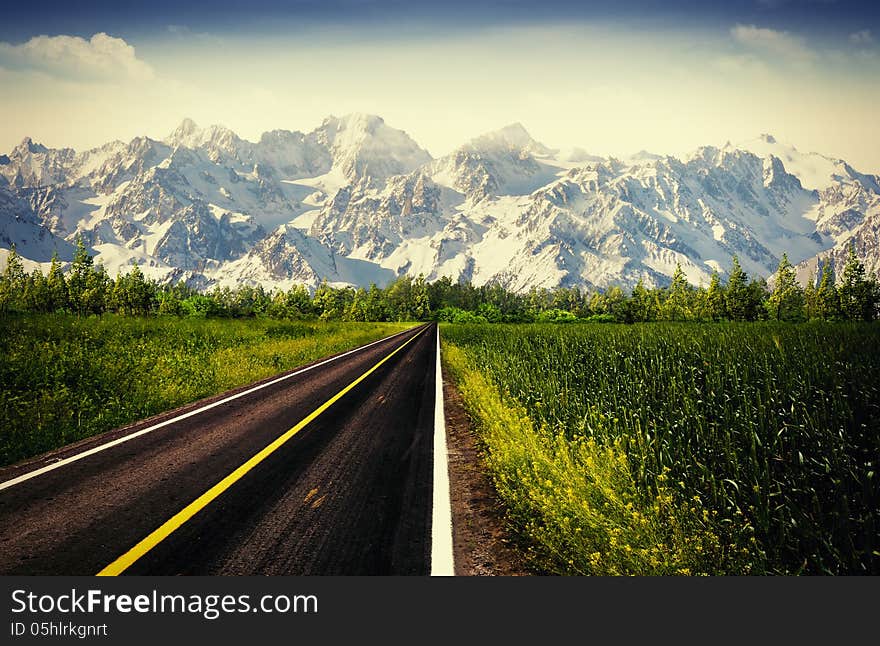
556 316
601 318
456 315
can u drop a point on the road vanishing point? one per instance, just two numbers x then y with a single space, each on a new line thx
335 468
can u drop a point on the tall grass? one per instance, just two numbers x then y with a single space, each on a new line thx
578 502
64 378
773 429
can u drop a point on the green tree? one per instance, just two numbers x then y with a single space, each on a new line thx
36 292
677 306
201 306
357 309
12 283
261 301
737 293
642 304
57 286
330 303
440 292
857 294
490 312
170 298
756 296
598 305
421 302
78 277
826 296
375 307
223 302
538 300
399 299
716 307
96 295
615 303
133 294
786 301
297 303
812 308
170 303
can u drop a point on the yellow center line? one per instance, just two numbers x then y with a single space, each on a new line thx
166 529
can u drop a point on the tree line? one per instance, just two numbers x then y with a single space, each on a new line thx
85 288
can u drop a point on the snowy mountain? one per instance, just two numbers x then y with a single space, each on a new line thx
363 146
22 226
356 201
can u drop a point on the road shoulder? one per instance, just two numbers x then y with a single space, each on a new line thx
482 543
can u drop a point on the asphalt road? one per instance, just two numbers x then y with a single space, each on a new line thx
350 493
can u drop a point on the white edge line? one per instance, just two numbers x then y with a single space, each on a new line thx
173 420
442 560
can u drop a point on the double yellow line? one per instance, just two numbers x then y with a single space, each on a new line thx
170 526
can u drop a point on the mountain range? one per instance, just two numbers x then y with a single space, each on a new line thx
356 201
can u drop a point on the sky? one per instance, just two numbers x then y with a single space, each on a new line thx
612 78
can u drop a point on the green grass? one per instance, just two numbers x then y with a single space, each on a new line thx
767 435
64 378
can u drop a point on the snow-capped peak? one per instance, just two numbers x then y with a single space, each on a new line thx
28 145
356 122
643 156
189 134
709 154
514 134
511 137
184 132
363 145
776 175
815 171
279 137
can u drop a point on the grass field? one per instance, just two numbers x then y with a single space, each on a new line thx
64 378
681 448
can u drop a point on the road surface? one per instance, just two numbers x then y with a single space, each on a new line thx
326 472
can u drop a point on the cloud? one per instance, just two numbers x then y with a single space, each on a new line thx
863 37
102 57
772 41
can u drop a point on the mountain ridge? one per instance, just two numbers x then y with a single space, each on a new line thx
357 201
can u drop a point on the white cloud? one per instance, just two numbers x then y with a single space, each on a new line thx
863 37
101 57
772 41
